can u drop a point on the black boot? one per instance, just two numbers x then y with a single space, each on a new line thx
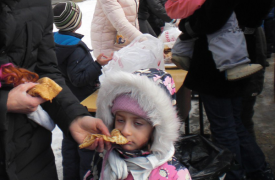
266 174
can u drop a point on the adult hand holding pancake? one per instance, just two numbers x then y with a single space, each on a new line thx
19 101
23 81
85 125
26 96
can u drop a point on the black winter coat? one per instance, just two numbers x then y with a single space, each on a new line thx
27 41
203 75
77 66
158 20
152 7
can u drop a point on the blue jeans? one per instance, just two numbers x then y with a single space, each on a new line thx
227 129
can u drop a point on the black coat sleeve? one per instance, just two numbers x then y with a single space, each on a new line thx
208 19
82 70
158 9
250 13
65 107
7 30
214 13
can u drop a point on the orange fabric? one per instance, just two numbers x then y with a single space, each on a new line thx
17 75
180 9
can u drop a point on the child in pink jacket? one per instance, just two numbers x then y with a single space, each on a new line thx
141 106
228 45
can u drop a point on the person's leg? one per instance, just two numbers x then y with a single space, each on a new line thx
70 160
247 113
183 98
273 36
252 156
228 130
86 157
222 125
268 29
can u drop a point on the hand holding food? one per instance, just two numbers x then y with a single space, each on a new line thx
116 137
23 80
46 89
19 101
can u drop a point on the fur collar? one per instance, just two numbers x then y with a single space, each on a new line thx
151 97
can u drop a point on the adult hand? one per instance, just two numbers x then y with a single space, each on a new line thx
84 125
103 60
19 101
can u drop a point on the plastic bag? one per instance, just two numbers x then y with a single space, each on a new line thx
204 159
143 52
169 37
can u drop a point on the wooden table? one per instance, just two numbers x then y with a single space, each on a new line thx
177 74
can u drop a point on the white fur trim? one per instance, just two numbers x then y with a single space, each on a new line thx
151 97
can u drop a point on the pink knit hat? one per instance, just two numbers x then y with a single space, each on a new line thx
125 103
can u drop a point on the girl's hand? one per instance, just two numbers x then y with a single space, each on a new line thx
19 101
103 60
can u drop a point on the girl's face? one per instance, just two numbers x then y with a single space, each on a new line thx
136 130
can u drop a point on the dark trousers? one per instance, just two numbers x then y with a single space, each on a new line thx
76 162
269 35
224 115
247 113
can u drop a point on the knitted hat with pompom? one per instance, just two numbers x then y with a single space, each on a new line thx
67 16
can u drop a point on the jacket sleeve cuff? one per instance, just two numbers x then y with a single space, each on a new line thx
98 64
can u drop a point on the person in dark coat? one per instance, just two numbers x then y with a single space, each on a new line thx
223 99
154 8
256 47
26 41
269 29
81 74
75 61
158 16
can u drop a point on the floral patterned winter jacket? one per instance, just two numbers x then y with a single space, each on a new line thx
171 170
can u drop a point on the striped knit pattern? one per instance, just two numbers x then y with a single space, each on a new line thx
67 16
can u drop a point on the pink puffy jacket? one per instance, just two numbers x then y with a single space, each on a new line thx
114 25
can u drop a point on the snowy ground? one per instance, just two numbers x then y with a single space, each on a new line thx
87 7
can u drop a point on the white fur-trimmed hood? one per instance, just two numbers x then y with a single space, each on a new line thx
151 97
